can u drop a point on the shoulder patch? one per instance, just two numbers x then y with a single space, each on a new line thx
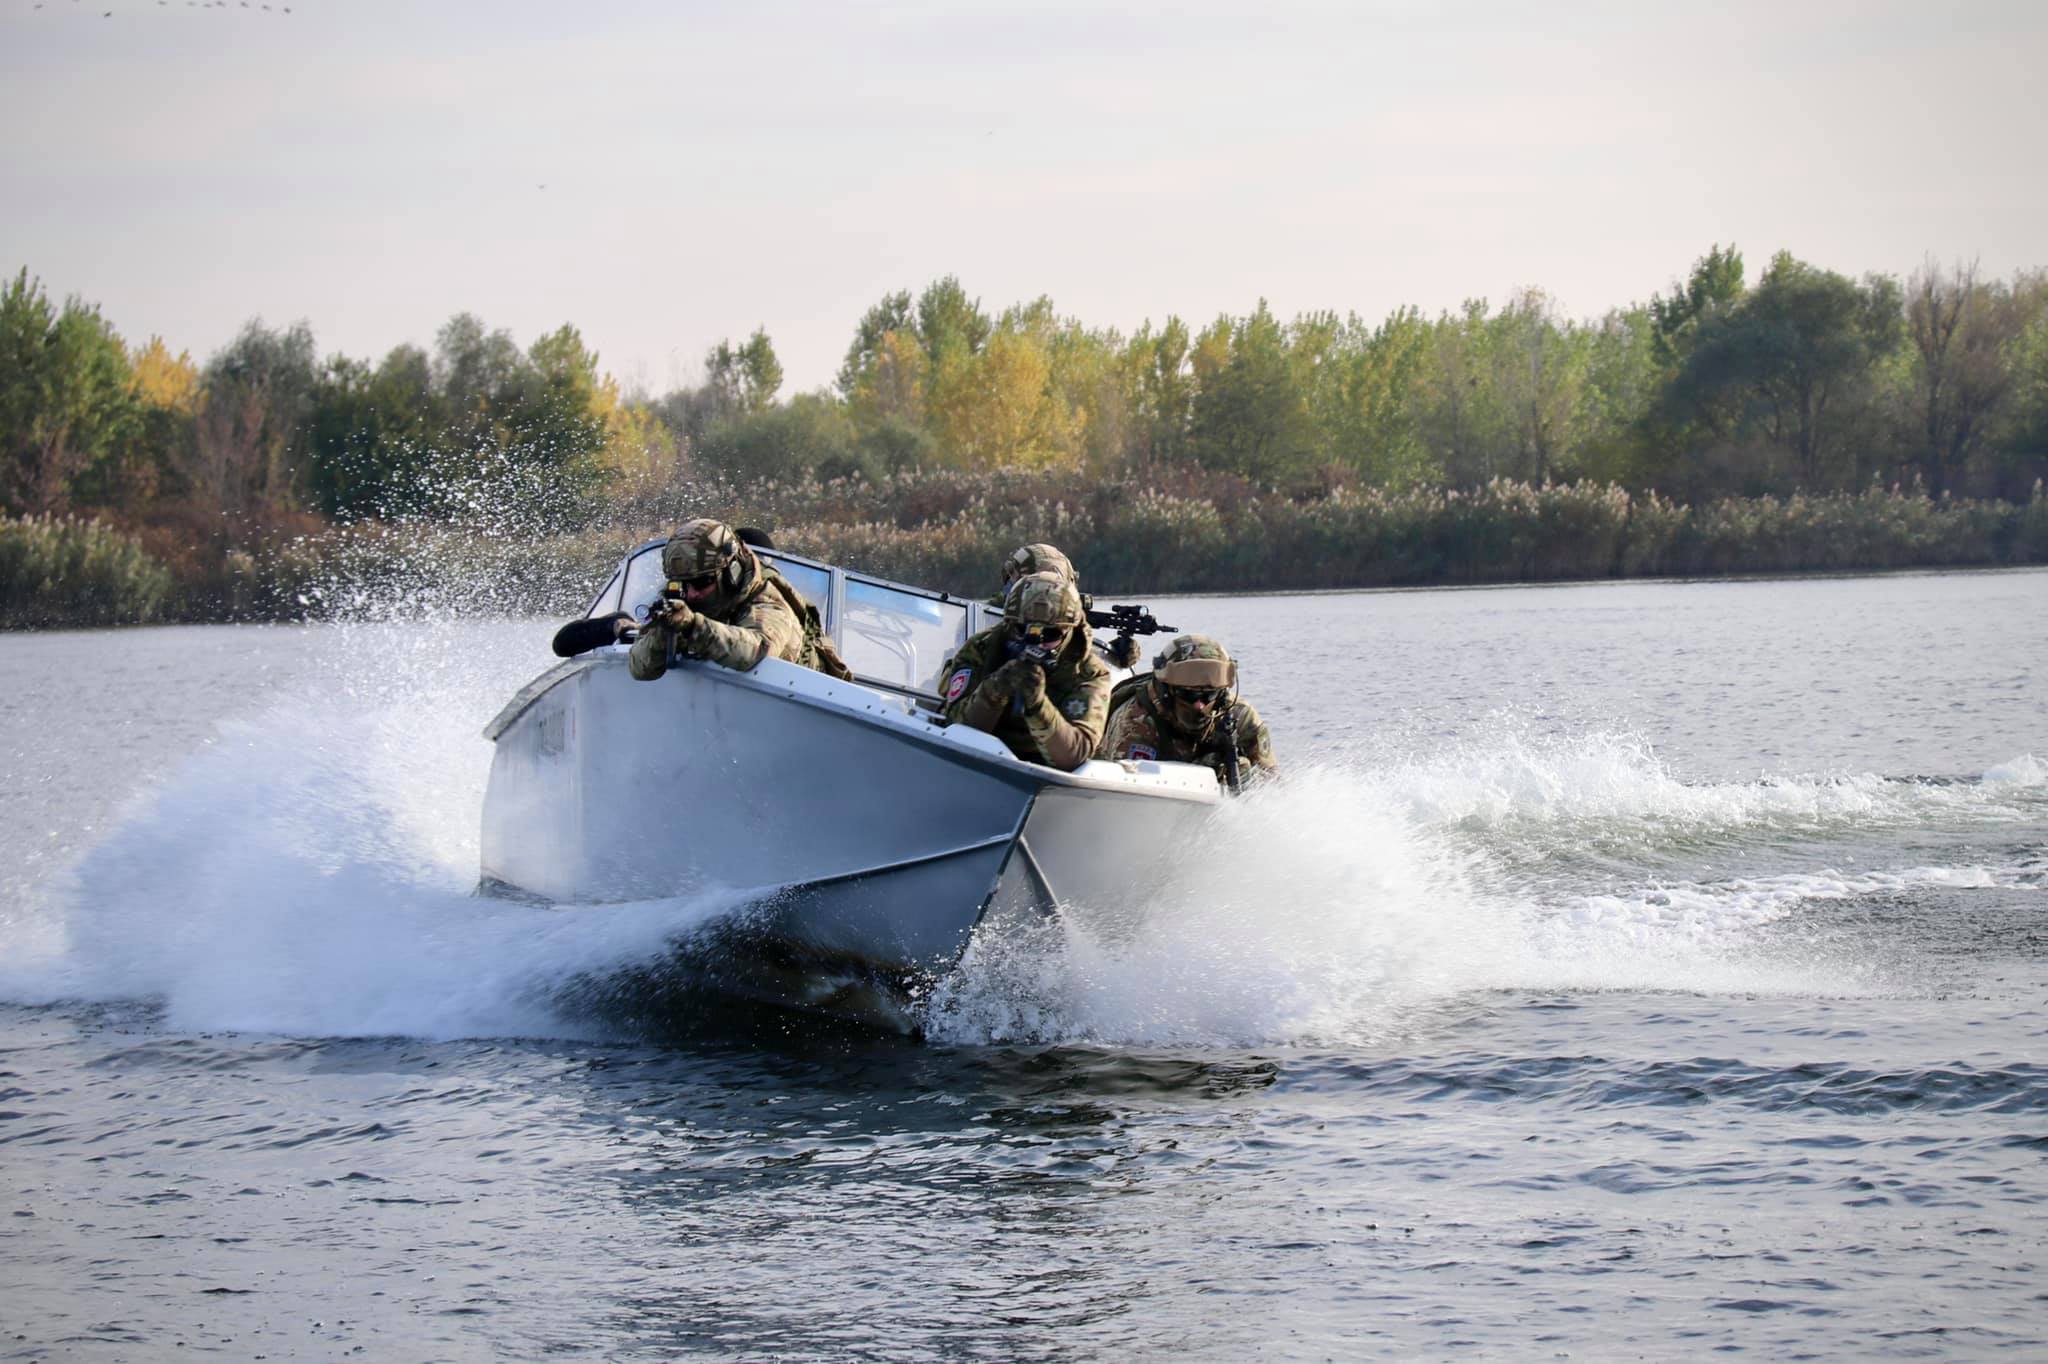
957 683
1139 751
1077 708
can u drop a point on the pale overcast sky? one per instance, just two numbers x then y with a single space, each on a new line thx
666 175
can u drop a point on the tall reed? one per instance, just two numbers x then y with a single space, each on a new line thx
69 571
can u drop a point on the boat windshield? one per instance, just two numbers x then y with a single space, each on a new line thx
889 633
814 583
893 634
607 599
644 582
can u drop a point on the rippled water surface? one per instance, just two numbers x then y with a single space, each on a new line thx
1621 971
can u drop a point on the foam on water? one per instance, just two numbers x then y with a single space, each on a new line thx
1349 905
1505 776
310 873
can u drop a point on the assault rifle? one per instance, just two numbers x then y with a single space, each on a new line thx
1127 620
1227 722
1041 654
581 636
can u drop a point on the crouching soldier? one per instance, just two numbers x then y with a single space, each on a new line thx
1036 558
1033 681
1186 711
1120 652
729 608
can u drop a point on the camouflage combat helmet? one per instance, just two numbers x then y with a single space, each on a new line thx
1036 558
703 548
1195 661
1042 599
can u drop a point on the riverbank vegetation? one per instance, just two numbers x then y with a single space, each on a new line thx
1794 421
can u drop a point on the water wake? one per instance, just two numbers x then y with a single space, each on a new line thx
1350 904
310 873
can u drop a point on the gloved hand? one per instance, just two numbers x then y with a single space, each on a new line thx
1019 680
1003 681
1030 688
1123 651
673 612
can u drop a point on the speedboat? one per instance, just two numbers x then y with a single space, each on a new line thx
864 839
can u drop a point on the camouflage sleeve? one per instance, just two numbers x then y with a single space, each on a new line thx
1254 740
967 701
649 658
1067 722
767 628
1130 728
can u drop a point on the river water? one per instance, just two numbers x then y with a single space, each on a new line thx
1623 970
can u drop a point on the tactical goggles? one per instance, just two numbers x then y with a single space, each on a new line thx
1043 634
1198 696
702 582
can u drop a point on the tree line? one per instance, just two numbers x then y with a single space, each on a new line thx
1798 381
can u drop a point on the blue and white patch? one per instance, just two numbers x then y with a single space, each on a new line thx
1144 754
1077 708
957 683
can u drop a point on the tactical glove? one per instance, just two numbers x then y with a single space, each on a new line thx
1019 680
673 612
1030 687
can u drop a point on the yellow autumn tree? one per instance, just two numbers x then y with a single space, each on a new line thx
993 409
890 387
640 453
163 380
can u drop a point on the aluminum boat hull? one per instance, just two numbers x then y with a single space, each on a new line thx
862 836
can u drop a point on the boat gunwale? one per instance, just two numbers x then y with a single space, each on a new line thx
929 734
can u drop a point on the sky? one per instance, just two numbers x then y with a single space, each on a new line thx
667 175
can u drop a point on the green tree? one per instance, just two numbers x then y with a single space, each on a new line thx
142 464
541 412
1794 361
1962 331
887 318
1250 414
251 439
950 325
811 433
374 433
1162 390
65 395
2023 428
566 423
1714 286
1623 384
484 381
1364 406
1090 394
745 378
1541 364
1459 412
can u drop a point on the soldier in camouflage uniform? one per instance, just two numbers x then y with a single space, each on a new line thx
1175 713
1049 714
734 609
1036 558
1121 652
